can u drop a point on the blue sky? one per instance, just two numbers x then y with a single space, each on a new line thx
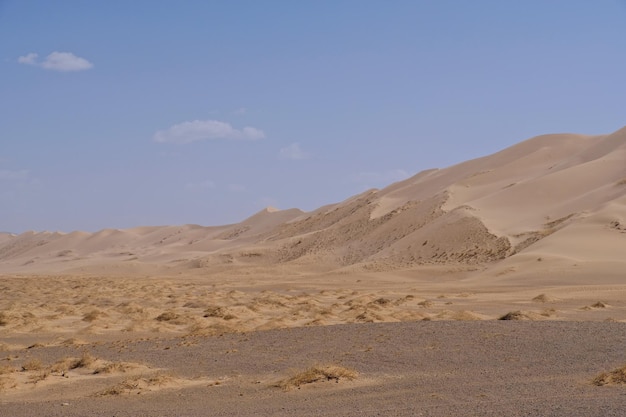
119 114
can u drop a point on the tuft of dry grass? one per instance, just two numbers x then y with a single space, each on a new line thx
137 384
599 304
4 318
32 365
86 361
113 367
544 298
621 182
318 373
39 376
6 369
93 315
616 376
514 315
167 316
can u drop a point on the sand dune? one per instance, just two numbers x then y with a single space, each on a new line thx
548 189
536 232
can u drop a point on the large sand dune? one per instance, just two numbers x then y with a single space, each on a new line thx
536 232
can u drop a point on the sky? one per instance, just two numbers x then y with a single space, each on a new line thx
116 114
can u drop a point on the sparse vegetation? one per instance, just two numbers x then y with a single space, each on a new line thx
167 316
32 365
4 318
317 373
616 376
514 315
138 383
92 315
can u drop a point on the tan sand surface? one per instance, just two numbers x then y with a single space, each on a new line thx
402 286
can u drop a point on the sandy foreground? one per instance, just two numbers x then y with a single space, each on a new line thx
387 303
75 346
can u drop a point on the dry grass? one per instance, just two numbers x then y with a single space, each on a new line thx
621 182
544 298
616 376
514 315
137 384
114 367
6 369
32 365
167 316
4 318
318 373
93 315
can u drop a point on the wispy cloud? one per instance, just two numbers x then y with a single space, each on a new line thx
198 130
293 151
57 61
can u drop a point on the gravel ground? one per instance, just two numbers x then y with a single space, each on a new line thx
444 368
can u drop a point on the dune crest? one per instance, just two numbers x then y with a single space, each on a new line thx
534 197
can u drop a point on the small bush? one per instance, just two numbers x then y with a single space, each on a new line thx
167 316
32 365
318 374
617 376
514 315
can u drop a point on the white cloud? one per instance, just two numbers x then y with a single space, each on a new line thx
13 175
293 151
202 185
57 61
380 178
28 59
187 132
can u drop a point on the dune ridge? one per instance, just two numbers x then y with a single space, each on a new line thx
533 197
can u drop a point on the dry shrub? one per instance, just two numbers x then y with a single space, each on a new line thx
32 365
621 182
39 376
4 318
616 376
599 304
86 361
514 315
215 311
123 387
113 367
318 373
62 365
6 369
137 383
381 301
93 315
66 364
544 298
167 316
7 382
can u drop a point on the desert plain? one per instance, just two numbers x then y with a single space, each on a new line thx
496 286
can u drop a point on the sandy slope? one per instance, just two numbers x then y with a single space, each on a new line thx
536 232
476 212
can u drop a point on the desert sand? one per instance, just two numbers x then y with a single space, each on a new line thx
388 303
